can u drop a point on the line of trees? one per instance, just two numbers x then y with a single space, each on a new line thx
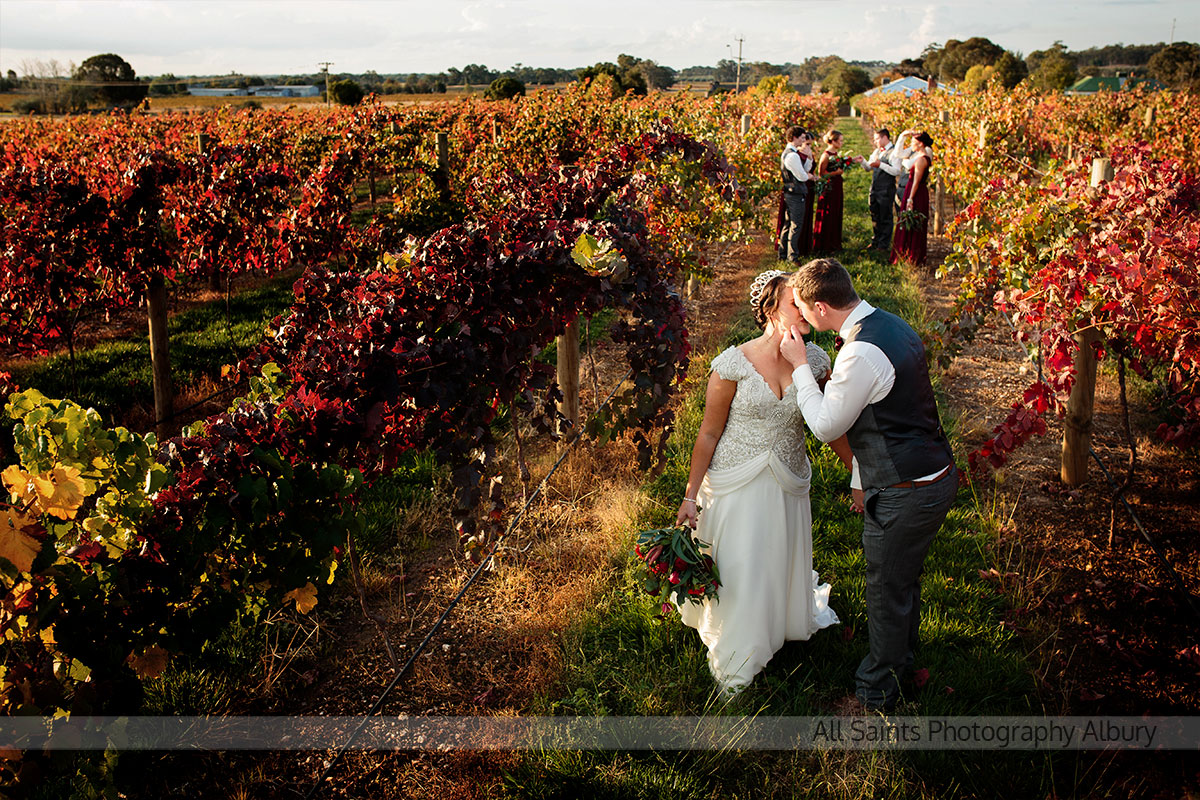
977 61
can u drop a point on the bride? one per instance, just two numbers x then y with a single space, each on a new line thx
750 475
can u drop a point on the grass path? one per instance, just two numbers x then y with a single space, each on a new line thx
622 660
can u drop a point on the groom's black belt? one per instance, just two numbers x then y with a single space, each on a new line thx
917 484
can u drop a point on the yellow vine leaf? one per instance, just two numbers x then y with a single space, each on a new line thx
306 598
18 481
15 544
60 491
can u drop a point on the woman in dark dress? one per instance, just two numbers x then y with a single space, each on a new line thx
827 226
810 205
909 243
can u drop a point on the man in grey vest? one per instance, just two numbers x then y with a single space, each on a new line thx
904 479
883 168
795 191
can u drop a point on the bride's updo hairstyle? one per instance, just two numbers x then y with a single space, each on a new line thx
826 281
832 136
764 294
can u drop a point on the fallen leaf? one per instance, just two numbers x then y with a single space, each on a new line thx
921 677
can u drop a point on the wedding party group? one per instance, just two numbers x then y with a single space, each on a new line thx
810 209
747 494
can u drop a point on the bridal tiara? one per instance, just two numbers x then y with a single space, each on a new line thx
760 283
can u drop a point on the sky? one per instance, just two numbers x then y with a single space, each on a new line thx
269 37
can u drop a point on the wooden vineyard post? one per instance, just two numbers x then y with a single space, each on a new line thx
1077 427
939 191
1151 114
691 288
745 124
160 363
495 131
441 177
568 372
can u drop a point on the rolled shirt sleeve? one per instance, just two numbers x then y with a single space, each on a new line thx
793 162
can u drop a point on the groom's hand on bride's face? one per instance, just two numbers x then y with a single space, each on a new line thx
792 347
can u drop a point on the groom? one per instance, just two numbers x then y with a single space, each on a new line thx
879 395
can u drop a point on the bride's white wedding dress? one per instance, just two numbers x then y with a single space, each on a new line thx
757 518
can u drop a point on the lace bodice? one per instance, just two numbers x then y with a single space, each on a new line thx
758 419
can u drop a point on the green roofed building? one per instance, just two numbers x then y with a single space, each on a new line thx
1112 84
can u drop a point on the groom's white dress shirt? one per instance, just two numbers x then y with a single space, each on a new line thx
884 155
862 375
793 161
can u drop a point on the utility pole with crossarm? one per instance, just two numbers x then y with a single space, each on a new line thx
325 65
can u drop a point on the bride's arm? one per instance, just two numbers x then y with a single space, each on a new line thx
717 400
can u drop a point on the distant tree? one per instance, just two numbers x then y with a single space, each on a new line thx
911 66
111 80
773 84
847 82
478 74
825 66
657 76
166 84
622 82
346 92
1010 69
977 78
726 71
951 62
1177 65
505 89
1120 55
1054 70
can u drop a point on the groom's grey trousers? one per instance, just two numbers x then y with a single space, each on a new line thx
898 527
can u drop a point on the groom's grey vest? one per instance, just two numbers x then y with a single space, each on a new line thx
899 438
883 183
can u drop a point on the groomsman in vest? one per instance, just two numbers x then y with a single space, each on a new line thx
795 192
884 168
904 477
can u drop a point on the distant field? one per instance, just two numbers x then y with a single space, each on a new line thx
180 102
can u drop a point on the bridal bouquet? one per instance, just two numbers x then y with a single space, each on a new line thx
677 569
910 220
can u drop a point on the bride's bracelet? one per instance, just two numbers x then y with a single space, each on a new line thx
691 500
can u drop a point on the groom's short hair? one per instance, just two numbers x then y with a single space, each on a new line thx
826 281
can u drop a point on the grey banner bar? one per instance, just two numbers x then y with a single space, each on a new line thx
602 733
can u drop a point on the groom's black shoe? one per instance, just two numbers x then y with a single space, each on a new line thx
852 706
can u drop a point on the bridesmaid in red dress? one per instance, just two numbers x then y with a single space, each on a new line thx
910 245
827 226
810 206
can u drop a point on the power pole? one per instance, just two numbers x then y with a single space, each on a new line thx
325 65
737 84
